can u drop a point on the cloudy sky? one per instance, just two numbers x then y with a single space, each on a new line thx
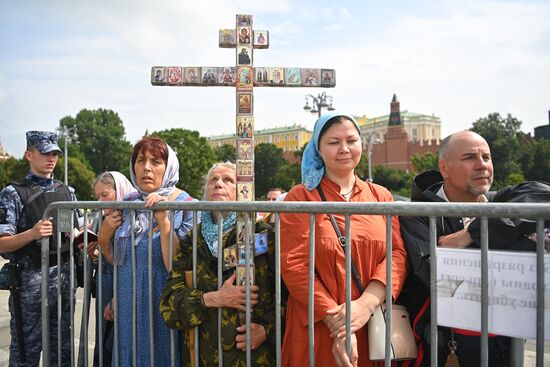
459 60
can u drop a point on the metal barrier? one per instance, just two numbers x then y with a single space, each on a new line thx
538 212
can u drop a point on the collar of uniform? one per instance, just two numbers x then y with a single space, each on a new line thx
43 182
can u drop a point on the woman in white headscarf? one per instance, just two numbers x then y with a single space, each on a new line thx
154 172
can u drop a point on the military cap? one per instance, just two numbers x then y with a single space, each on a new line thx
44 141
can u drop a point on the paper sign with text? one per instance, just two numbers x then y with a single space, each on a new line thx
512 291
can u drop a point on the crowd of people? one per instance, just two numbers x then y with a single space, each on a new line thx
183 302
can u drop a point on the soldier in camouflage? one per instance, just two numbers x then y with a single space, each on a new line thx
22 205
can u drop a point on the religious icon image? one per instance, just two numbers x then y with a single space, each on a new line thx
209 75
226 75
192 75
244 20
293 76
245 167
260 243
157 75
245 191
245 128
230 257
174 75
244 56
276 76
244 77
327 77
241 274
227 38
245 149
311 77
261 76
244 35
241 240
245 103
261 39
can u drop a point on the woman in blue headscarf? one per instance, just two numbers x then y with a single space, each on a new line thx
154 171
328 165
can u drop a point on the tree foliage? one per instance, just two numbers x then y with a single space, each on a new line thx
226 152
195 157
396 180
425 161
268 162
12 169
80 177
504 137
101 139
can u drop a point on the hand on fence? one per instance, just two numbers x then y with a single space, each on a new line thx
231 296
257 336
42 228
340 355
151 200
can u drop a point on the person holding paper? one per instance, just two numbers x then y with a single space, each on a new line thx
465 175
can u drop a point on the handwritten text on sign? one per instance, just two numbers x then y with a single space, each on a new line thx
512 291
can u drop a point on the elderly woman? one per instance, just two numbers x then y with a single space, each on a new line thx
185 307
154 172
328 165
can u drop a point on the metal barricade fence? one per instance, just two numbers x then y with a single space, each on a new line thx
537 212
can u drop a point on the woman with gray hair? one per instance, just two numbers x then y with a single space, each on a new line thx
185 307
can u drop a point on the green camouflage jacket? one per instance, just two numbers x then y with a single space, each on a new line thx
182 308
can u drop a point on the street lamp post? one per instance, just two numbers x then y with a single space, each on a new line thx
318 103
69 134
370 141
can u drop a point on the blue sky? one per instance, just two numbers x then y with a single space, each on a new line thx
459 60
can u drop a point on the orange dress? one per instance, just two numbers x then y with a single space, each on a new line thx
368 241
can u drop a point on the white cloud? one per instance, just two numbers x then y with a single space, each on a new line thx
461 61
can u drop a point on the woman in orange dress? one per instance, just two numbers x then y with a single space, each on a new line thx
329 161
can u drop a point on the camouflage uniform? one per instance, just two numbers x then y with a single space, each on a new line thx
181 306
13 216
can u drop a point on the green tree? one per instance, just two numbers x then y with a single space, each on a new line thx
425 161
504 138
396 180
195 157
268 162
535 160
80 177
101 139
12 169
226 152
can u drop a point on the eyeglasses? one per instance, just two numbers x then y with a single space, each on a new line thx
272 199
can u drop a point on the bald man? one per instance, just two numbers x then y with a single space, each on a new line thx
465 175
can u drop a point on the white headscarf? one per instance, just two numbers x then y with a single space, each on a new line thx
123 187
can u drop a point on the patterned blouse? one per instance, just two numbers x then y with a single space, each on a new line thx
182 308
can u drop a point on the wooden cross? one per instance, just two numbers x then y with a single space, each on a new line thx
244 77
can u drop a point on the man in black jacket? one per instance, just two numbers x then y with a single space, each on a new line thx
465 175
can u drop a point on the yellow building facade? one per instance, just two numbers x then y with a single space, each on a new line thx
288 138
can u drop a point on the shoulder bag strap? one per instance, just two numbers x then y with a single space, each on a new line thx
342 241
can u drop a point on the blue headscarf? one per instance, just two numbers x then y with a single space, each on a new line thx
313 167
